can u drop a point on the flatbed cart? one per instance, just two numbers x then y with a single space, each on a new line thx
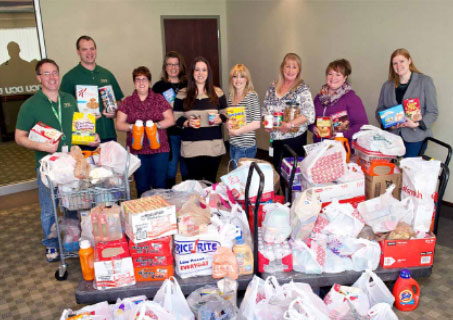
86 294
106 190
348 277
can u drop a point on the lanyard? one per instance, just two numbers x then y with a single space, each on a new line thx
59 116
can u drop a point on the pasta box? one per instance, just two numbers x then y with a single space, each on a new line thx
392 116
408 253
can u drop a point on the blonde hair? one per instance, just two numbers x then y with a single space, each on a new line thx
240 69
405 53
281 79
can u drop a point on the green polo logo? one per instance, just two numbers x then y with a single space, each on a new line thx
67 104
104 81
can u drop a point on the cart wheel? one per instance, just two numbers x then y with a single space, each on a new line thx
63 278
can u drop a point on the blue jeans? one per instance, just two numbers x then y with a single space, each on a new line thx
175 145
47 213
152 172
413 149
237 153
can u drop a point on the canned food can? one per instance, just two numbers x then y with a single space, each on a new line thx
278 119
268 121
211 118
196 120
108 98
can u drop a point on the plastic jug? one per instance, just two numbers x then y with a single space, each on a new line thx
138 132
344 141
86 255
244 256
406 292
152 134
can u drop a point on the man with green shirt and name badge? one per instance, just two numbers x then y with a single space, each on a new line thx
87 72
54 109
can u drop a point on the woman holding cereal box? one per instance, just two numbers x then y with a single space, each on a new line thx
141 115
407 86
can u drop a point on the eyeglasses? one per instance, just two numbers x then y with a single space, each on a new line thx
48 74
172 64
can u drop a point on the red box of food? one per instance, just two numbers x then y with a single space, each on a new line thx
152 260
407 253
412 109
156 273
116 249
161 246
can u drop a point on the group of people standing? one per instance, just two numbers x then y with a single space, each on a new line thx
189 111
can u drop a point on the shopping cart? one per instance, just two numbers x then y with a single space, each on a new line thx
89 194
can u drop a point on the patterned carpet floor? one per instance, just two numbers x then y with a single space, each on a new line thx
18 164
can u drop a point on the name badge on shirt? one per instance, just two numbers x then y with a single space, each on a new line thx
65 149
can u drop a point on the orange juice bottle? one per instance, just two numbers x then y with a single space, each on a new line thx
86 255
138 132
244 256
344 141
152 134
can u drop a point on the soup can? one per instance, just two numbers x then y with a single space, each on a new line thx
278 119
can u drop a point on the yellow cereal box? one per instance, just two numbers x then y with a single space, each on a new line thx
237 118
83 128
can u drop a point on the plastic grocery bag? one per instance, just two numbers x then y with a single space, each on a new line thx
254 294
308 306
385 212
341 221
304 213
224 264
123 308
375 290
215 307
375 139
274 305
365 254
192 186
59 167
304 258
419 184
98 311
171 298
382 311
276 225
300 309
114 156
148 310
325 165
346 303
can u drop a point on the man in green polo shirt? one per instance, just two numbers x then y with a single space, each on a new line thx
87 72
55 109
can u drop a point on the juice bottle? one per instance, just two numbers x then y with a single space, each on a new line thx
344 141
244 256
138 132
86 255
152 134
406 292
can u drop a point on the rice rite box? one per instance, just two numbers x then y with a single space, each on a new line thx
148 218
407 253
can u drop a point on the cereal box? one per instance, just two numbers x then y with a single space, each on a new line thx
88 99
392 116
237 117
148 218
108 98
340 121
83 128
43 133
413 110
324 125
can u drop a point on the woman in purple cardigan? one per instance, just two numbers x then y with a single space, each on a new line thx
338 101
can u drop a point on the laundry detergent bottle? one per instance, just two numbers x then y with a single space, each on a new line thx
406 292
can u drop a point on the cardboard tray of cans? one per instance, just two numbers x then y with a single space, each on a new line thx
86 294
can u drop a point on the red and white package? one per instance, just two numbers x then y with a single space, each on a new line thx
43 133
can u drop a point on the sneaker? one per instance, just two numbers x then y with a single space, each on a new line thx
52 255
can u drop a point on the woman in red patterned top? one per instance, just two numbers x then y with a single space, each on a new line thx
146 105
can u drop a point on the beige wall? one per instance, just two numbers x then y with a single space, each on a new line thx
365 32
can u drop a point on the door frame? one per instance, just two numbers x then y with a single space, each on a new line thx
219 45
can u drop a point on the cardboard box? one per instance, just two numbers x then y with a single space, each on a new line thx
114 273
116 249
148 218
407 253
43 133
152 260
161 246
376 185
392 116
339 191
287 166
83 128
88 99
157 273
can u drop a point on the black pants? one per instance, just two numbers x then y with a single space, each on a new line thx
203 168
296 144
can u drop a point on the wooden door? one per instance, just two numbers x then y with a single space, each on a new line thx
193 38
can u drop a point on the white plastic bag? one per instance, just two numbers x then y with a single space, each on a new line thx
114 156
59 167
191 186
365 254
253 295
277 224
304 212
149 310
171 298
375 290
325 165
419 184
123 308
304 258
274 305
385 212
375 139
382 311
346 303
308 305
341 221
